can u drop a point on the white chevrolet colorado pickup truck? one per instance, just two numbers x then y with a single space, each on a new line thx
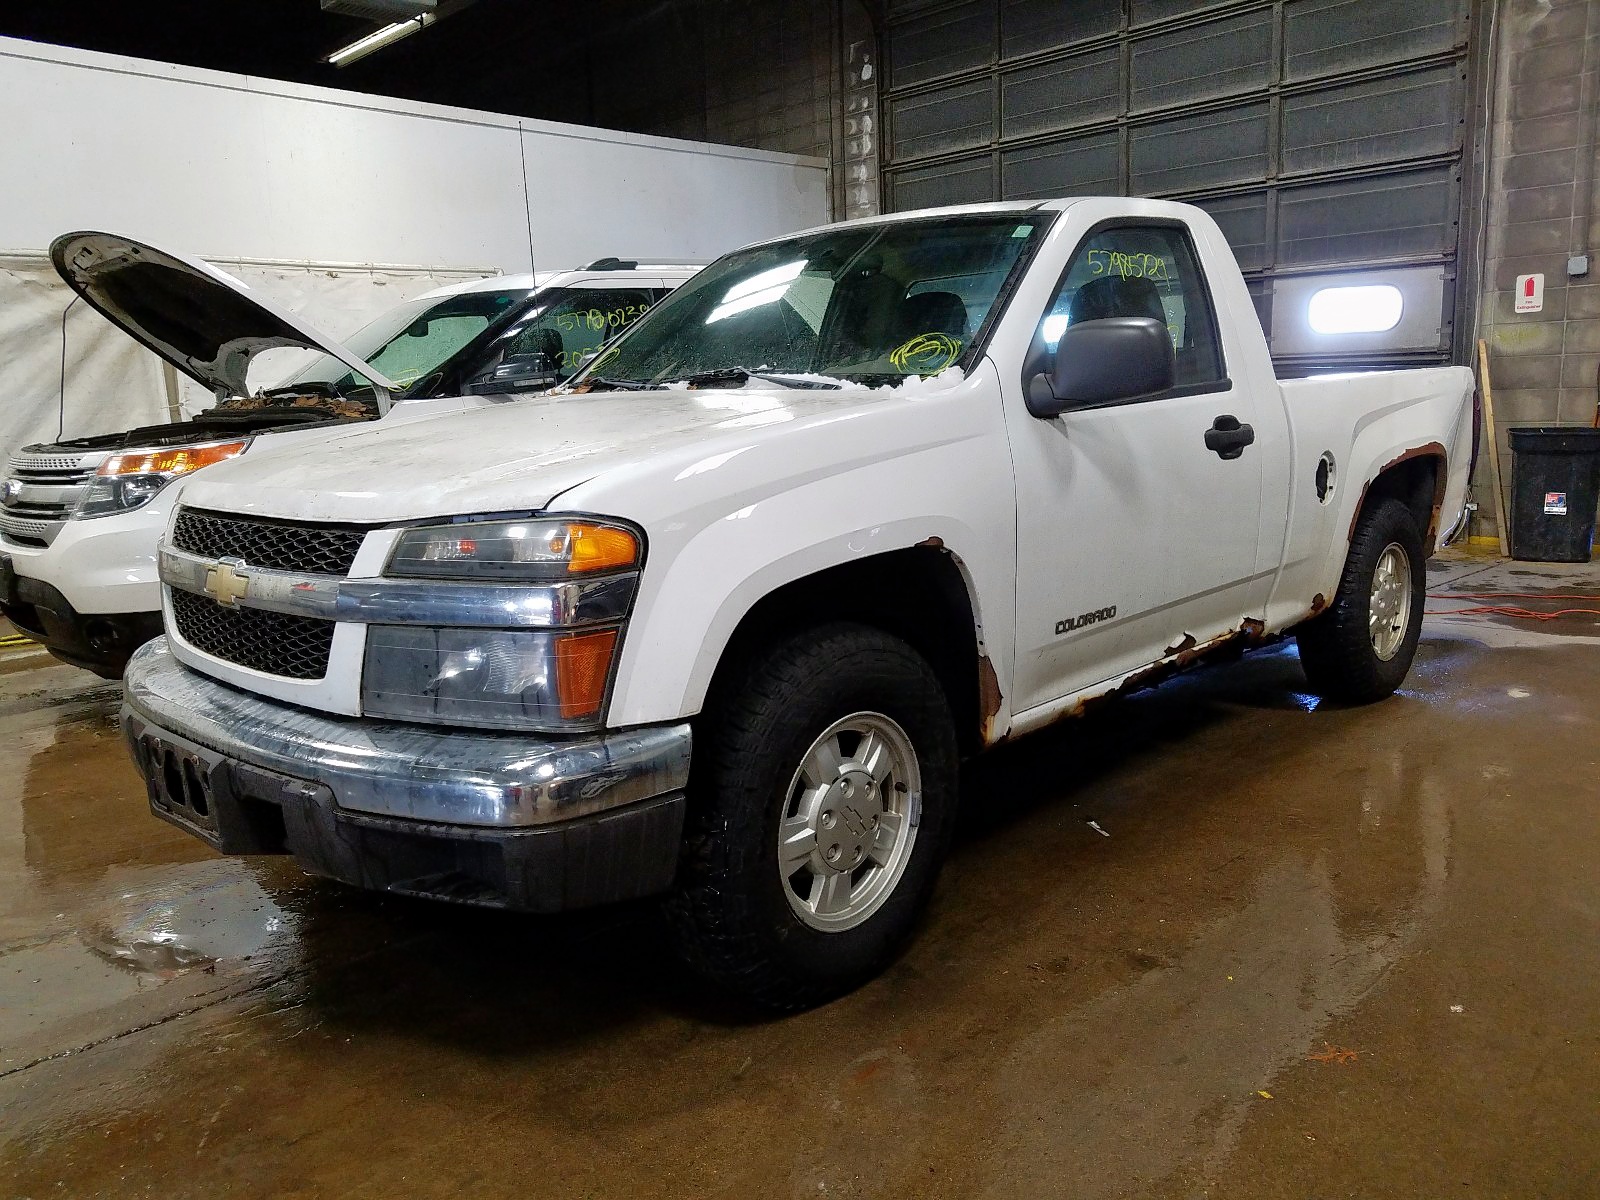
80 518
718 619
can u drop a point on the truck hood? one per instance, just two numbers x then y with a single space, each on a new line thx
201 320
503 458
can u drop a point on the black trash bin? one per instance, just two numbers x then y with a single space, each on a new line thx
1555 477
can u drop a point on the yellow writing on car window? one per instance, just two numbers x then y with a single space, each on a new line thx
601 320
1129 266
925 354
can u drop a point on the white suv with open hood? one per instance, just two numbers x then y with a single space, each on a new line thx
80 518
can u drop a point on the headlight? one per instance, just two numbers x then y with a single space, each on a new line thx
127 481
546 680
535 550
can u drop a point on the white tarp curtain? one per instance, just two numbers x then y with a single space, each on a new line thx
113 383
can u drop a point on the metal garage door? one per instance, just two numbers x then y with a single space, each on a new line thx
1329 138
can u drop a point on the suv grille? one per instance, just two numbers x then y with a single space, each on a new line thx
275 545
42 492
279 644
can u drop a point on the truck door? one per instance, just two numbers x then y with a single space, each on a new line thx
1135 530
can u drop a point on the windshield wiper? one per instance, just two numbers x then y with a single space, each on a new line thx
744 374
619 385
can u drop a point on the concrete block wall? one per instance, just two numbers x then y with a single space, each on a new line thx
797 77
1541 211
770 78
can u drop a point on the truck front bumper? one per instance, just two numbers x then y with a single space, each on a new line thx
505 820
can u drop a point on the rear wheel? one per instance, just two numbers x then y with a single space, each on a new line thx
823 790
1361 648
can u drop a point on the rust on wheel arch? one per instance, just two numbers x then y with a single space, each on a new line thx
989 699
1440 479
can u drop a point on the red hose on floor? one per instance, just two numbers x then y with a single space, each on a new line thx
1508 610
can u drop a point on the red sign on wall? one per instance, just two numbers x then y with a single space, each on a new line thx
1529 294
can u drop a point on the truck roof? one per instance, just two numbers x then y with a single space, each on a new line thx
1051 204
540 279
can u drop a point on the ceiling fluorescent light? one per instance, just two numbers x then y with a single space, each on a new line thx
379 12
378 39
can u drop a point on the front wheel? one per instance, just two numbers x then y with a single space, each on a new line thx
822 798
1361 648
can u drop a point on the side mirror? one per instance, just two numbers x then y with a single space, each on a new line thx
1114 358
524 373
534 369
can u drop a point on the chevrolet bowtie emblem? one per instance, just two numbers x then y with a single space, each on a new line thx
225 584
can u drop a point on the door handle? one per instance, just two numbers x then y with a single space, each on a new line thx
1227 438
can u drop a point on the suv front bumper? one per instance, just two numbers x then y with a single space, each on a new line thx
506 820
98 642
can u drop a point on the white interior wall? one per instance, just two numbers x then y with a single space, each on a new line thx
220 164
235 168
656 198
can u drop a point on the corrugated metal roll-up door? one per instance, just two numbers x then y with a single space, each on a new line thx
1331 139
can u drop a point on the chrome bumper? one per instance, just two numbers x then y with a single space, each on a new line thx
485 780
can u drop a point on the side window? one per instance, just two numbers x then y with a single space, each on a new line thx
576 324
582 320
1142 271
549 341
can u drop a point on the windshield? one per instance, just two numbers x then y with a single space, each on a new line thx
412 339
873 304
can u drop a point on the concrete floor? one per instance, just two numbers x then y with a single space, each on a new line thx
1317 953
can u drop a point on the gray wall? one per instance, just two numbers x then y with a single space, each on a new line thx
1540 211
796 76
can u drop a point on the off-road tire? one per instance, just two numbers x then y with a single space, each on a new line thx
1336 647
730 909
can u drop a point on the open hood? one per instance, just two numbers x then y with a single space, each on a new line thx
201 320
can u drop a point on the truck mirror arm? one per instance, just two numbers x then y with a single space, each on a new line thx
1041 397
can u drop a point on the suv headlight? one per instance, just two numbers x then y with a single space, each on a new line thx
552 680
131 480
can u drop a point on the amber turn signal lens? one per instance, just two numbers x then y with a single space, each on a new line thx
600 548
583 664
170 462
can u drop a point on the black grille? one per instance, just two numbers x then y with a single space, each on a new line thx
279 644
275 545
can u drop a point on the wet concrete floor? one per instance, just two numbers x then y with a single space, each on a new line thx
1314 953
